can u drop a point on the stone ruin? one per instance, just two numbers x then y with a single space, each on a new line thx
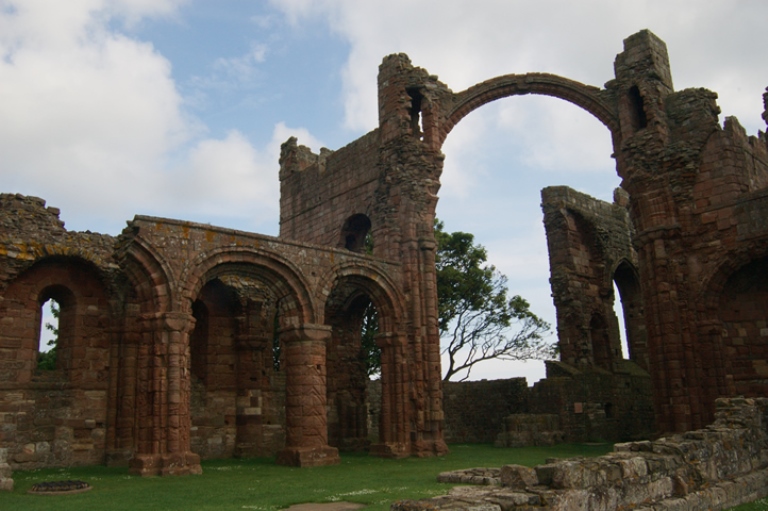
718 467
180 341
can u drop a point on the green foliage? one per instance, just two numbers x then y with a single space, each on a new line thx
758 505
277 347
259 484
369 350
477 320
46 360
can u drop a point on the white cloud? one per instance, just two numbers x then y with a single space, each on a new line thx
93 121
88 114
467 42
230 181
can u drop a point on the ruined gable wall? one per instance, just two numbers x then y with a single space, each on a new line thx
318 193
587 240
59 417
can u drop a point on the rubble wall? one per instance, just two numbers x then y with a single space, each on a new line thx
718 467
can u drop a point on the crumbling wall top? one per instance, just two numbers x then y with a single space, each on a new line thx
27 213
30 231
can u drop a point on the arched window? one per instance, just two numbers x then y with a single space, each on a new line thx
637 108
57 328
629 308
354 234
49 335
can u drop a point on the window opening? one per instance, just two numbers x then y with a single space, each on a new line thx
277 347
618 309
417 126
354 234
49 335
371 352
637 108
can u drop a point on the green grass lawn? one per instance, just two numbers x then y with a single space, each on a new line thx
259 484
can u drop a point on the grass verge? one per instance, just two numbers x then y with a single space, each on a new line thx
259 484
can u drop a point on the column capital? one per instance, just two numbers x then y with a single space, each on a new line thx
306 332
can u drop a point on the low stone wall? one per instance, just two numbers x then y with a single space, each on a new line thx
523 429
718 467
475 410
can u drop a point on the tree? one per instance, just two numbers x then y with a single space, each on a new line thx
46 360
370 351
477 321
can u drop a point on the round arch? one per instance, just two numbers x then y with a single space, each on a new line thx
279 274
713 283
357 331
584 96
376 284
150 275
731 316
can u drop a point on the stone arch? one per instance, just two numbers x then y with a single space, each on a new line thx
353 294
150 276
584 96
243 302
78 286
377 284
733 328
231 367
286 281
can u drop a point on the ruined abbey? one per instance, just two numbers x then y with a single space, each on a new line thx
180 341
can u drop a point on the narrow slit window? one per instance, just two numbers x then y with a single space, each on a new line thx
49 335
637 106
417 127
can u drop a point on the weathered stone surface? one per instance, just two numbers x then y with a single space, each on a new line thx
518 477
179 340
673 473
6 475
481 476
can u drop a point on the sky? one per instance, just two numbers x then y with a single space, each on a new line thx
177 108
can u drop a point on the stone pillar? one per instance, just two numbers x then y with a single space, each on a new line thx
6 482
163 404
305 398
429 439
393 423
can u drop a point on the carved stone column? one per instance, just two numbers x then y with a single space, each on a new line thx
163 414
394 440
305 398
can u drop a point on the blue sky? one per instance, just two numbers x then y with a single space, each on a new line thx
177 108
